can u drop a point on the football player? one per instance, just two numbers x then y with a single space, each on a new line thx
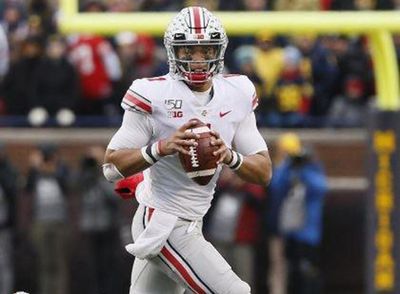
171 252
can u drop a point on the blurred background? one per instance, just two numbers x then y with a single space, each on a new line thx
62 228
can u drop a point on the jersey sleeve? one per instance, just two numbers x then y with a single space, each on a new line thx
137 99
135 132
247 139
250 93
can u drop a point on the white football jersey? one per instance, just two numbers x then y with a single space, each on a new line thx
170 103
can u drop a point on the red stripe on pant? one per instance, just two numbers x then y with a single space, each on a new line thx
151 210
181 269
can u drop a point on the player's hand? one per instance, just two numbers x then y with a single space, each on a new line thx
223 153
179 141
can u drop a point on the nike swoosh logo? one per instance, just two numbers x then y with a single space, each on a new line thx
222 114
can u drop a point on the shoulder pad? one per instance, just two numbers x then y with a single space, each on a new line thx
245 86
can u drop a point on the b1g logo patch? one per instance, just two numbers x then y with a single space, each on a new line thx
174 108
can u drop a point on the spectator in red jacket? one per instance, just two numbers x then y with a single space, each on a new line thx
98 67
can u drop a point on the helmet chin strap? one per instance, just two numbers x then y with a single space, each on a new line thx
198 78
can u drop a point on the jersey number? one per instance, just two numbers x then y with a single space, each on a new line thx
173 103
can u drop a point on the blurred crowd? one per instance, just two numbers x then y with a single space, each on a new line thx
63 228
78 80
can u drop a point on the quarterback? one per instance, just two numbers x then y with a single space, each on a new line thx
171 253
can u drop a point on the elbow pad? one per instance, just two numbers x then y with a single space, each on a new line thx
111 173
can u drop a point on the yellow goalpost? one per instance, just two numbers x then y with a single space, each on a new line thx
378 26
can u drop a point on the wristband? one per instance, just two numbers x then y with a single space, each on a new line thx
236 161
151 153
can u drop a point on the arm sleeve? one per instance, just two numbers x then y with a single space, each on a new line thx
135 132
248 139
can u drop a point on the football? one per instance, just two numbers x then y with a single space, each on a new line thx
201 164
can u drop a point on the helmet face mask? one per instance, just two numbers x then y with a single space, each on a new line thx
197 69
196 42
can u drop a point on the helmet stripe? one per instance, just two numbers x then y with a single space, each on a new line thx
204 21
191 20
197 20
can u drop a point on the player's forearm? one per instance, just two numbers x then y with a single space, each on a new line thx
127 161
256 168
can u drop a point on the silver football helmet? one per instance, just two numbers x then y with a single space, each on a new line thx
195 27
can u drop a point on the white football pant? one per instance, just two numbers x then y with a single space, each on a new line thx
187 261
